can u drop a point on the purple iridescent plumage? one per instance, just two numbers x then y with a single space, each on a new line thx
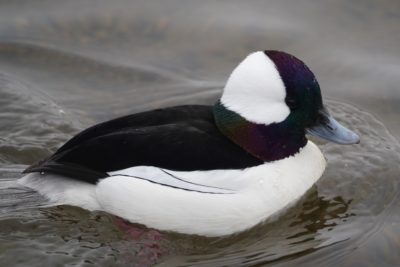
266 142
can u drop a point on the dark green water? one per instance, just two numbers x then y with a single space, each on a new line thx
66 65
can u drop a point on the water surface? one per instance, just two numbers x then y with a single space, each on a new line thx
65 66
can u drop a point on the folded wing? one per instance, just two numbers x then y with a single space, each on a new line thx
181 138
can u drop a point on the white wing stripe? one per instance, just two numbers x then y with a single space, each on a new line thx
162 177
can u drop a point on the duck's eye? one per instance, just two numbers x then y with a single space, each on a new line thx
292 103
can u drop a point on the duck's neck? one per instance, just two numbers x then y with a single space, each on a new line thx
267 142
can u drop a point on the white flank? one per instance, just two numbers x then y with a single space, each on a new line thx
256 91
209 203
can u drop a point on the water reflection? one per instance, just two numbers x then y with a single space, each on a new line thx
298 232
321 213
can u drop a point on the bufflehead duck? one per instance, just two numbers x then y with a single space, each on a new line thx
206 170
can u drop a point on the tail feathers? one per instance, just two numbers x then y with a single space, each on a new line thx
67 169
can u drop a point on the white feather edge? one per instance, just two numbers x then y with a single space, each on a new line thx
256 194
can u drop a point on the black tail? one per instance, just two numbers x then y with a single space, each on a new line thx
70 170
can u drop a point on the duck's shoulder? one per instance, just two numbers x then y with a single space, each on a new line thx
183 138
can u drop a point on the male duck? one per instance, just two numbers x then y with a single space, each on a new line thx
200 169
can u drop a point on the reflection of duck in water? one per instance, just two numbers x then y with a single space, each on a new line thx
200 169
314 223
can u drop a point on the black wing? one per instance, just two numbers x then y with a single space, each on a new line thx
181 138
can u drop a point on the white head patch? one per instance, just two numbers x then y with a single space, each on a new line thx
256 91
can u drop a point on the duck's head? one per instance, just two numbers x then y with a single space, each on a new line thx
269 103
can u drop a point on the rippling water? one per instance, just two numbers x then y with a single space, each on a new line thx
65 66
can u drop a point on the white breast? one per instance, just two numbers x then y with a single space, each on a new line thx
210 203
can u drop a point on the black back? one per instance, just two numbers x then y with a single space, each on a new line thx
183 138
